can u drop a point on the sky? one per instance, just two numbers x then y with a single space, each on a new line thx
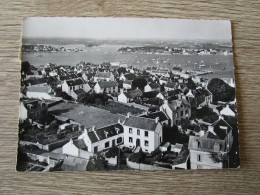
126 28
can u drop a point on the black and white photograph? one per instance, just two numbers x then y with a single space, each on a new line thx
108 94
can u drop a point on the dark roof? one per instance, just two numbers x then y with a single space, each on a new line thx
75 82
141 123
36 81
206 144
170 85
107 84
177 103
33 103
100 134
39 89
74 164
134 93
129 82
153 115
221 133
80 144
79 91
154 85
182 156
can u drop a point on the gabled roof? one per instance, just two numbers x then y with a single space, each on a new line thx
141 123
129 82
153 115
80 144
33 103
100 134
79 91
36 81
103 74
133 93
75 82
154 85
177 104
170 85
206 144
107 84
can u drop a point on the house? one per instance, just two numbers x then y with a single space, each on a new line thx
107 86
122 77
36 81
163 118
130 96
71 163
78 94
70 85
163 80
152 87
206 153
76 148
176 110
127 84
40 92
228 111
33 109
170 86
142 132
209 150
182 159
97 140
203 97
104 76
160 72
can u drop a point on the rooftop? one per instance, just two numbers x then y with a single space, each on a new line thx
141 123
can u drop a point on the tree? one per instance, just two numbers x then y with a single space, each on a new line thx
140 83
221 91
121 70
191 84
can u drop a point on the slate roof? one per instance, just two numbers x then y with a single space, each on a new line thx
154 85
129 82
206 144
107 84
141 123
79 92
80 144
75 82
100 134
134 93
170 85
153 115
35 81
74 164
103 74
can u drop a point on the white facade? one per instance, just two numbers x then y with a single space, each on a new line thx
134 137
227 111
68 89
122 98
147 88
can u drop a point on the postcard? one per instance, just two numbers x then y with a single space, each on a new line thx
103 94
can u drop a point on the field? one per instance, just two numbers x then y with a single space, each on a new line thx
85 115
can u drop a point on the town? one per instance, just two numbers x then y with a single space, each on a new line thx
113 116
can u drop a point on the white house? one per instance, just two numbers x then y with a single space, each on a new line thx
104 76
152 87
122 77
97 140
170 86
126 97
163 81
70 85
227 111
76 148
107 86
143 132
40 92
127 84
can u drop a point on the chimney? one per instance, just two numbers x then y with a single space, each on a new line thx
121 90
156 119
85 130
119 122
93 128
201 133
106 133
71 141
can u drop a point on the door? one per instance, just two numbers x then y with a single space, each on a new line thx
137 142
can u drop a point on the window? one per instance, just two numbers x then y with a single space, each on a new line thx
70 88
181 113
199 158
138 132
160 139
130 140
106 144
119 140
176 115
146 133
146 143
130 130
